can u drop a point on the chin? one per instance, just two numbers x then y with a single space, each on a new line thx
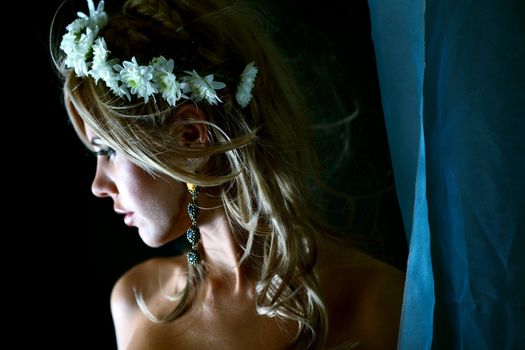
153 240
154 243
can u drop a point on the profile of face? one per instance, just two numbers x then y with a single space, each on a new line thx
155 205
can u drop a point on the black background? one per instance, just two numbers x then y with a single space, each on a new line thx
70 247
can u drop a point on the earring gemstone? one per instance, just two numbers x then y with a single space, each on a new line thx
193 235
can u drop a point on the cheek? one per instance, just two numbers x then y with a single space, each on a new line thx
167 216
161 197
170 199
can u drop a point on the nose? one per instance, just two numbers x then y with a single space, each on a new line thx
102 185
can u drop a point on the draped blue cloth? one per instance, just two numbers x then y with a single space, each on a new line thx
452 77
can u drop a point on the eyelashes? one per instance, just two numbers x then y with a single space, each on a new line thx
105 152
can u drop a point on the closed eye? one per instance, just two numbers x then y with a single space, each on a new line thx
107 152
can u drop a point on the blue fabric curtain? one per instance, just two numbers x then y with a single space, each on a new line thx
452 76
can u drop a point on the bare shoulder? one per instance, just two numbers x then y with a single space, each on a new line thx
364 296
145 278
381 298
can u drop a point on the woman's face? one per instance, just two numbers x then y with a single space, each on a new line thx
154 205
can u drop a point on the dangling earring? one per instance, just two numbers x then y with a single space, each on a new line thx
193 234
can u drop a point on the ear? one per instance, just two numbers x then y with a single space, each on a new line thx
190 125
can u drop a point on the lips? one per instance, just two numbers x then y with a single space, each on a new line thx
128 217
118 210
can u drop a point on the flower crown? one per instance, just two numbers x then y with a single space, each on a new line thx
87 54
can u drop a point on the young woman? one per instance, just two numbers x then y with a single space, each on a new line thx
200 131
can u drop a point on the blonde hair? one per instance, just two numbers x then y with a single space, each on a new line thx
259 158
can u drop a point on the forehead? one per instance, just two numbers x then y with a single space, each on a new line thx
84 132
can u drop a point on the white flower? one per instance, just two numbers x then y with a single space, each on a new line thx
101 68
244 89
78 25
171 89
97 16
167 81
100 51
78 41
162 65
137 78
77 46
203 88
117 86
87 54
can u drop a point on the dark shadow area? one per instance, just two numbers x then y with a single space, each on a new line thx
331 51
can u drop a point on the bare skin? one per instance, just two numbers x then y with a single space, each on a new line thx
363 295
363 298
